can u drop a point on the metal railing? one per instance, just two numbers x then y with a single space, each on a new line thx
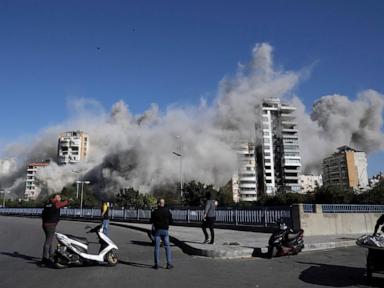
352 208
259 216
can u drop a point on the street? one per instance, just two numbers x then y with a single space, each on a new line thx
21 247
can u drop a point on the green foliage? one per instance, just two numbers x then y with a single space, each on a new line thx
225 195
132 198
194 193
169 192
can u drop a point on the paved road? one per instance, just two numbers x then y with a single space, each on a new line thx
21 240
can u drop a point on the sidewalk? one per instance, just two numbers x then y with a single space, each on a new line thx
237 244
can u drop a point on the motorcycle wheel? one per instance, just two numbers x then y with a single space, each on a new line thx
60 263
112 258
272 251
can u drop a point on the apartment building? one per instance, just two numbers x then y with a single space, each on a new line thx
347 168
308 183
32 188
244 182
278 155
73 147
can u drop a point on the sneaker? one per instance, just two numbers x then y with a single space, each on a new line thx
206 241
169 266
155 266
45 262
212 243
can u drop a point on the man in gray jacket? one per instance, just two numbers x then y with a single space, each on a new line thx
209 218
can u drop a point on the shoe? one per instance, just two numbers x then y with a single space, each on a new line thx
206 241
45 262
212 243
155 266
169 266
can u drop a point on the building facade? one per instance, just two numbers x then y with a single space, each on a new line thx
278 155
32 189
346 168
244 182
73 147
308 183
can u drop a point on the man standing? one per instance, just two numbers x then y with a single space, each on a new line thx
105 216
50 217
161 218
209 218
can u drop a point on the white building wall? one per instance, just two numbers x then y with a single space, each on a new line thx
244 184
73 147
308 183
361 167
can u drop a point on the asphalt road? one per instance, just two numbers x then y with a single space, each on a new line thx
21 242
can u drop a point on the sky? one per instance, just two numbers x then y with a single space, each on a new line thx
174 53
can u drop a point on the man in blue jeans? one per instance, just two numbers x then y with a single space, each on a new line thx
161 218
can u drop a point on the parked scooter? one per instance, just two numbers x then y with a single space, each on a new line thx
285 242
73 250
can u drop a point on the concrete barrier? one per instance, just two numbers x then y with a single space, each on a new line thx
319 223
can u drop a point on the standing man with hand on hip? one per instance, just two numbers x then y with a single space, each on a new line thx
161 218
50 217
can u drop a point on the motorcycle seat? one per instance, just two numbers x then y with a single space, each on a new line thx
80 239
292 236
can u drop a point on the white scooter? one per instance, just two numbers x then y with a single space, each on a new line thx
73 250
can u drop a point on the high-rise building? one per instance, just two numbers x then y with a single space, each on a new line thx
73 147
278 155
32 189
347 168
244 184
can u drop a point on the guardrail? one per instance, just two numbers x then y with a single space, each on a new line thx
259 216
352 208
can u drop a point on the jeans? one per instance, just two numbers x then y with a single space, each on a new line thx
163 235
105 226
49 231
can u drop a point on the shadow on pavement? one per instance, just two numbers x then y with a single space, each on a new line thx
141 243
15 254
337 276
257 252
134 264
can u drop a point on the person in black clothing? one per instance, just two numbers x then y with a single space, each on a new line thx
209 218
379 223
50 217
161 218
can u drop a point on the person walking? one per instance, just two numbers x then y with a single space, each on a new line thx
209 218
105 216
50 218
161 218
379 223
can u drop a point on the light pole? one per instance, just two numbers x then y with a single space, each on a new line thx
3 191
82 192
77 182
180 155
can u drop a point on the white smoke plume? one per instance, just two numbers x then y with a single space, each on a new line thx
129 150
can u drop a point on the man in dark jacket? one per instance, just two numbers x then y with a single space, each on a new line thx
161 218
50 217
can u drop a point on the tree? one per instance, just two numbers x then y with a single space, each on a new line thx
194 193
129 197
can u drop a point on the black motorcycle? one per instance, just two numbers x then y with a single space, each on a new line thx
285 242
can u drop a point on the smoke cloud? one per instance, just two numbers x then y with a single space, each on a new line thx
129 150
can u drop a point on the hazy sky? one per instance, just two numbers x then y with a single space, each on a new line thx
174 53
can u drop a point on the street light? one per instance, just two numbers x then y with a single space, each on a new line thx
77 184
180 155
82 192
4 192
